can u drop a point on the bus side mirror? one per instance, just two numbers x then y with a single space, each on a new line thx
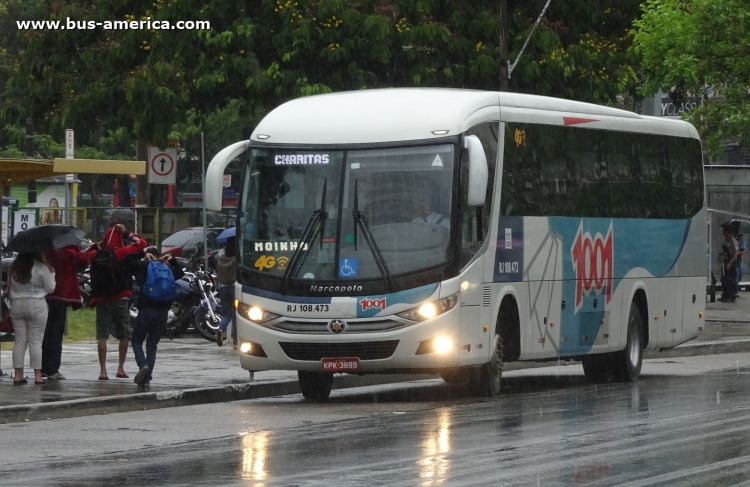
478 171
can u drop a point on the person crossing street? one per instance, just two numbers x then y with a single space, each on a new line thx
155 275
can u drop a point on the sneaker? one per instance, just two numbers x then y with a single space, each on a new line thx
140 377
219 337
146 384
57 376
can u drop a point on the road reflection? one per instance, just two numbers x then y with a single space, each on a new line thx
434 464
254 458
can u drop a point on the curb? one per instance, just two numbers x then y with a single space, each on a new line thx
257 390
700 348
180 397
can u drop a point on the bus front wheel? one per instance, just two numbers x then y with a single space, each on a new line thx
315 386
486 379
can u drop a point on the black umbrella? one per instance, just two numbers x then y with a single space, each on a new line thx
45 237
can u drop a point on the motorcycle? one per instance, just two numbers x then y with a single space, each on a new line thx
84 284
207 314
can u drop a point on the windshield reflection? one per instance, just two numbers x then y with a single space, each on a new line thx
434 464
254 458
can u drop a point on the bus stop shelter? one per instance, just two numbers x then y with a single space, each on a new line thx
15 171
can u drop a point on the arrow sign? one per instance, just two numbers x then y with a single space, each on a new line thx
162 166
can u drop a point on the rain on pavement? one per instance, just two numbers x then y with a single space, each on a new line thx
686 422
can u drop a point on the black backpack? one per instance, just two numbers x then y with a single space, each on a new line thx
104 273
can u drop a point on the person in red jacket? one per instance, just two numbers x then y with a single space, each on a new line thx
66 262
112 314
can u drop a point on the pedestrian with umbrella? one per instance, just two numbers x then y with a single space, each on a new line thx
30 280
66 262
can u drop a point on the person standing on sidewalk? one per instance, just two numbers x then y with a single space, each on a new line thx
730 252
66 262
741 247
155 276
111 283
30 279
226 276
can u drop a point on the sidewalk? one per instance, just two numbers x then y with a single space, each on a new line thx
191 370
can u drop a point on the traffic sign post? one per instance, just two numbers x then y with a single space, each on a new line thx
162 166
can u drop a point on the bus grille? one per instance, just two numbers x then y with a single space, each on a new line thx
361 350
353 326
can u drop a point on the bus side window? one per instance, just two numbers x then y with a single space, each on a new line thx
475 220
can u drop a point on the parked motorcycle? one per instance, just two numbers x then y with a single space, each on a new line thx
84 284
207 314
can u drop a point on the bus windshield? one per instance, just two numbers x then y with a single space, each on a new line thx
404 199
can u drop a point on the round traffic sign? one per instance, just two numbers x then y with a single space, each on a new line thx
162 164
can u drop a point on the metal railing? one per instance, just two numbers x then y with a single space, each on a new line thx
180 227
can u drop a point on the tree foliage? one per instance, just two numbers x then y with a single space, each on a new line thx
151 84
700 48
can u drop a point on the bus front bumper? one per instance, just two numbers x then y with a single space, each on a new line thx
409 348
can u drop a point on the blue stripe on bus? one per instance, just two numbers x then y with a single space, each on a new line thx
653 245
650 244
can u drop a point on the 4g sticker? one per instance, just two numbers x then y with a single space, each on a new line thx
269 261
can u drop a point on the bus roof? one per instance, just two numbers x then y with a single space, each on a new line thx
406 114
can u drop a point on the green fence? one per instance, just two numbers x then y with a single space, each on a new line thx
167 228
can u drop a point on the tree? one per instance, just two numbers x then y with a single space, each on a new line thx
149 84
700 48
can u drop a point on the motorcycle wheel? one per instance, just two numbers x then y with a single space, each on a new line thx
177 323
204 325
86 298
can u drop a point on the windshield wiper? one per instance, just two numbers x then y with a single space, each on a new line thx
318 217
360 221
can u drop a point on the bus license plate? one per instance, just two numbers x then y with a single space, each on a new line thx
340 364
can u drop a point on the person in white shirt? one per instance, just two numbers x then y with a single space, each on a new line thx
30 280
426 214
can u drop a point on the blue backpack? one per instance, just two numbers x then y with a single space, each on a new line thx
159 284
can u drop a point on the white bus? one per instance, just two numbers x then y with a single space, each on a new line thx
451 231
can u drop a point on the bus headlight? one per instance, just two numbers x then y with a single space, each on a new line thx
431 309
255 313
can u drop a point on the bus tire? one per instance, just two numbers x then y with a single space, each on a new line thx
628 362
454 376
315 386
486 380
622 366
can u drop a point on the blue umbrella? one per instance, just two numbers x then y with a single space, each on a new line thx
229 232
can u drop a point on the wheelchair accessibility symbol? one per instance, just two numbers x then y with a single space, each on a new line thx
347 267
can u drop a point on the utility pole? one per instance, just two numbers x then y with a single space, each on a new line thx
30 154
503 61
141 181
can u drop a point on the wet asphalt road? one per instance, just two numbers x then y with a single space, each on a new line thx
684 423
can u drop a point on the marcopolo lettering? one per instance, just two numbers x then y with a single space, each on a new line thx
278 246
368 303
295 159
334 289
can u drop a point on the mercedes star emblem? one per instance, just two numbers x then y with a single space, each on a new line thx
337 326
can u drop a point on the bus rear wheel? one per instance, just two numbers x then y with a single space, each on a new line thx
622 366
628 362
315 386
